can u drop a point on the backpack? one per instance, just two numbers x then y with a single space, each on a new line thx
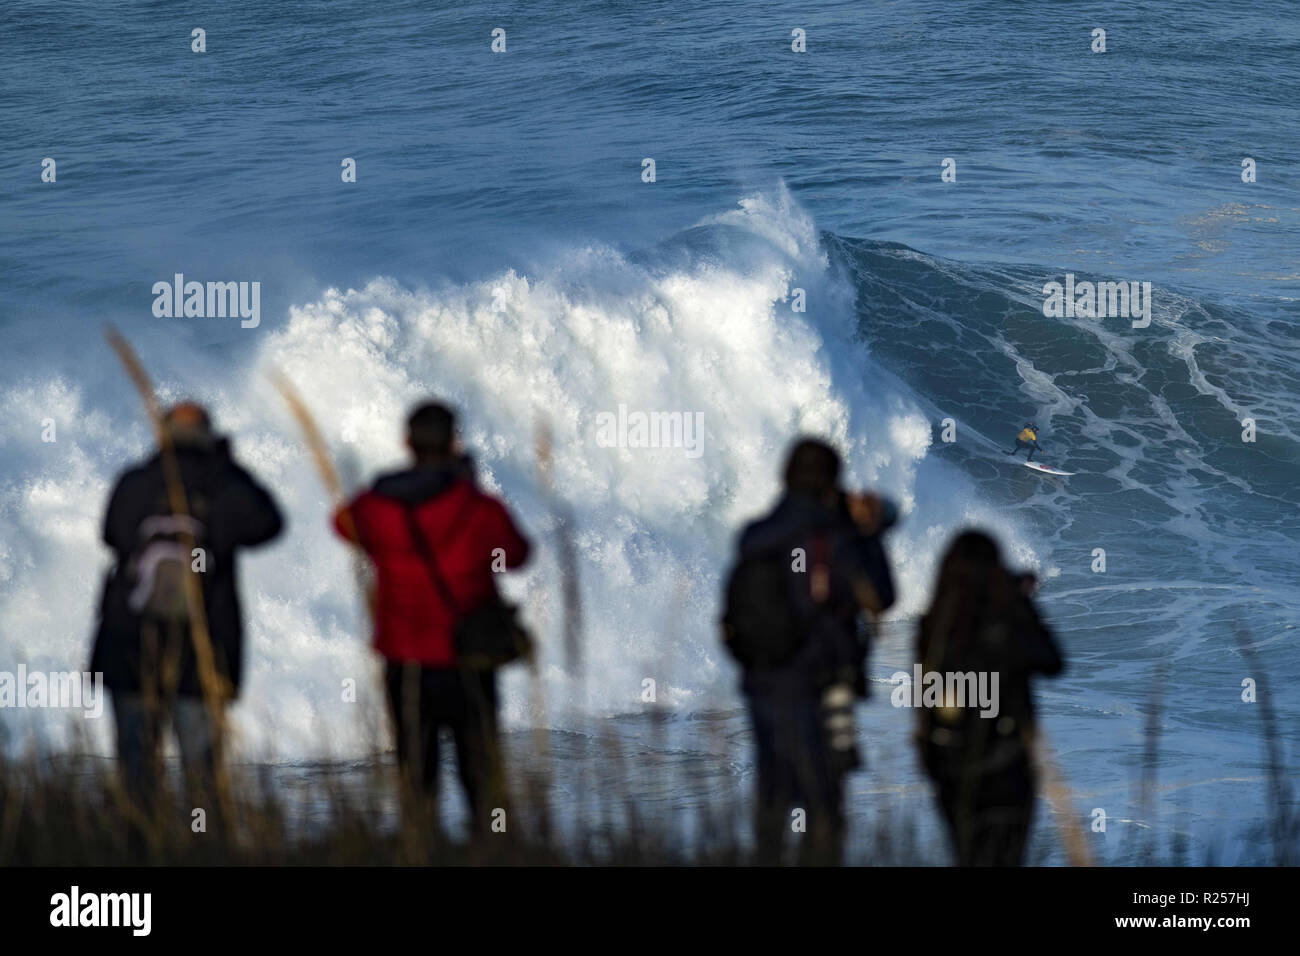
957 742
159 562
762 627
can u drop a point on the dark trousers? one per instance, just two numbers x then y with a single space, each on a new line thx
1031 445
988 817
140 723
795 773
422 702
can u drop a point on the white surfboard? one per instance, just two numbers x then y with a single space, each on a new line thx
1047 469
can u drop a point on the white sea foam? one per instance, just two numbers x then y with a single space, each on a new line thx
653 527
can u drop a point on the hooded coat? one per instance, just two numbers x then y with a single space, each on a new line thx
835 649
465 531
236 512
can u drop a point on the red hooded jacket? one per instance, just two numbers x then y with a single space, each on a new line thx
463 529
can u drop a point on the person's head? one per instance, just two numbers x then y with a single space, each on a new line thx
971 553
973 583
1031 426
188 425
431 433
812 469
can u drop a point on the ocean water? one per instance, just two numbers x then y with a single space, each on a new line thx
501 248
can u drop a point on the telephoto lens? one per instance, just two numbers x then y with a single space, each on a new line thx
837 718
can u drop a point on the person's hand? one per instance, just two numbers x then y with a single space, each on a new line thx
866 509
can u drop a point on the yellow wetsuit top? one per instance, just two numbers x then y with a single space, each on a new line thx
1027 435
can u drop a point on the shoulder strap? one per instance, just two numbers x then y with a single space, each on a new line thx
430 562
819 570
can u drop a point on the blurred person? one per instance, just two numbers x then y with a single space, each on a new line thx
436 540
805 576
144 644
982 621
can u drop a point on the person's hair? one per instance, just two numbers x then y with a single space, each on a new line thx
431 429
812 468
188 423
973 589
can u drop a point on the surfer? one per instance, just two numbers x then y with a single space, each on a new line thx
1028 438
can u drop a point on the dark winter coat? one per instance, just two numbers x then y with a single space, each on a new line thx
236 512
836 647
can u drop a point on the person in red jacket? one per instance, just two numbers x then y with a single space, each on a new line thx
469 535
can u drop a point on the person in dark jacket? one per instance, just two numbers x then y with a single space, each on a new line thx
144 645
468 535
983 622
826 545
